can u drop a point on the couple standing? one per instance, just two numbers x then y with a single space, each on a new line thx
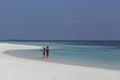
45 52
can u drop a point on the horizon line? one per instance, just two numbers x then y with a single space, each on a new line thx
51 40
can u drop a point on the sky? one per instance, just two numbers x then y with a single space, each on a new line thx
60 19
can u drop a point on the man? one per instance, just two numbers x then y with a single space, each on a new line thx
47 52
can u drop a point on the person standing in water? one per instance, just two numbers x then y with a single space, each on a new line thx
47 52
43 53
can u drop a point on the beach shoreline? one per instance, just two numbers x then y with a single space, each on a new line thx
13 68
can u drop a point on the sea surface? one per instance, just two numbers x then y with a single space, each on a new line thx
99 54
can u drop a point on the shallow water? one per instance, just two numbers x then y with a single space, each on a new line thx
93 54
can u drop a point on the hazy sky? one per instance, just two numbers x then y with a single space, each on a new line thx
60 19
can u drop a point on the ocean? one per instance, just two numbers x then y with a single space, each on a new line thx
99 54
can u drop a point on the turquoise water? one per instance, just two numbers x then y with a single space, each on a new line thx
93 54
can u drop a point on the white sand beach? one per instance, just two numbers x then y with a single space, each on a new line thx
13 68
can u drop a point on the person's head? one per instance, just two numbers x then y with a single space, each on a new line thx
47 46
44 48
